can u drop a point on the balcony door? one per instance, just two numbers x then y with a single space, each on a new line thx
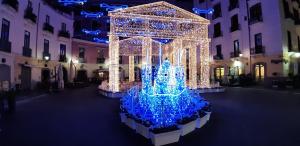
5 30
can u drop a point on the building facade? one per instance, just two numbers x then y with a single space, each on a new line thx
256 37
34 39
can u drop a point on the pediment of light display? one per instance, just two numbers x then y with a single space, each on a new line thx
153 20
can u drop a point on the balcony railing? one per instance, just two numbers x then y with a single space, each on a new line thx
258 50
100 60
233 6
235 54
254 20
64 33
82 60
12 3
46 56
235 27
218 57
218 34
5 46
30 15
48 27
62 58
27 52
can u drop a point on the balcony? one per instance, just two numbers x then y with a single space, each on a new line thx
235 27
30 15
218 57
46 56
218 34
82 60
258 50
12 3
62 58
64 33
48 27
254 20
235 54
100 60
5 46
27 52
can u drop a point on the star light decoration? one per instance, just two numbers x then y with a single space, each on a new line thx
181 29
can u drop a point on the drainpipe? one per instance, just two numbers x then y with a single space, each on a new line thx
249 35
37 31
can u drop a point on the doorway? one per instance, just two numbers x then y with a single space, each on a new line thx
25 78
259 72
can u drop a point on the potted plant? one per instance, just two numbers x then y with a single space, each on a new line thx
142 127
201 120
166 135
187 125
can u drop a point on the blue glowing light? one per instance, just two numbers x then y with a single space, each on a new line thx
72 2
203 11
112 7
91 14
101 40
164 100
91 32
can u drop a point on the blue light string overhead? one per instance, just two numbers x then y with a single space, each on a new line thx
91 14
91 32
203 11
112 7
72 2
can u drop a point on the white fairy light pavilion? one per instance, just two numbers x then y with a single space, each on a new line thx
136 30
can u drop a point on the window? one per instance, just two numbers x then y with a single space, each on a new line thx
219 50
46 46
120 59
236 48
47 19
286 9
217 11
258 40
219 73
81 52
5 30
234 23
62 50
256 14
63 27
29 4
137 59
289 37
27 39
217 30
233 4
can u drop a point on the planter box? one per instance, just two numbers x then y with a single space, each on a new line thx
200 122
123 117
143 130
207 116
187 128
165 138
130 123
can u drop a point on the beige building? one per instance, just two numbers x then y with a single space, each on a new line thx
258 37
34 39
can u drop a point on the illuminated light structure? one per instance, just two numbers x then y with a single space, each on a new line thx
72 2
112 7
184 31
91 32
100 40
203 11
91 14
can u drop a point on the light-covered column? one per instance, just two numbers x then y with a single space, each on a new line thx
147 50
131 68
193 66
204 63
114 83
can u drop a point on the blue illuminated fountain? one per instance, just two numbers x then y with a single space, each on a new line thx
164 101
